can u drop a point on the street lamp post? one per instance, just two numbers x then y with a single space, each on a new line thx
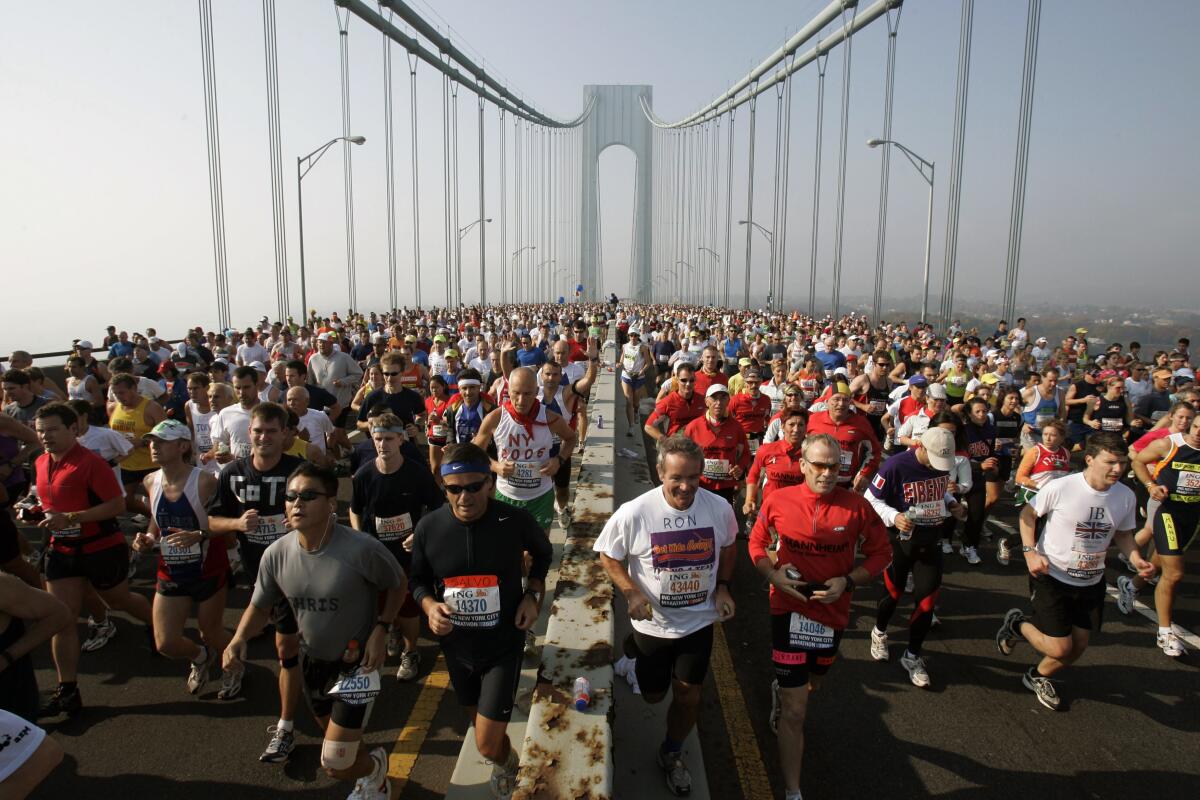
690 267
920 164
513 263
458 256
301 170
770 237
713 253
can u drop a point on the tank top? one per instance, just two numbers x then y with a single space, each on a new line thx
1040 410
411 378
529 449
1179 471
1111 414
182 564
1050 464
558 405
956 383
264 396
631 358
131 423
1008 428
77 388
202 433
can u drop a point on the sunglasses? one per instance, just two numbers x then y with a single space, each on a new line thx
391 374
307 495
686 380
471 488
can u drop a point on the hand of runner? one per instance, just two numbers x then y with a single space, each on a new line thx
903 523
249 520
748 507
783 583
235 653
1144 567
737 472
723 600
990 464
1037 563
55 521
639 606
182 538
407 542
1159 492
412 431
504 469
831 595
958 511
861 482
375 652
439 619
549 471
527 613
142 542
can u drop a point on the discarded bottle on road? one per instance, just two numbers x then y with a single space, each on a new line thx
599 421
583 694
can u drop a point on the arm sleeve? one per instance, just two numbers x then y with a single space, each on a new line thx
266 590
358 494
756 468
760 536
875 496
660 409
875 547
420 575
380 567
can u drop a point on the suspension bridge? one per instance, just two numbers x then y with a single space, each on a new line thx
696 225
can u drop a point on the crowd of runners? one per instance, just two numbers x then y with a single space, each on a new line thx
841 450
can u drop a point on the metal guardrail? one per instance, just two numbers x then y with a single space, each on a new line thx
568 753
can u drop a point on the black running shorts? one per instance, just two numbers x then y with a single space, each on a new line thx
659 659
198 589
103 569
490 687
319 677
1174 529
800 648
1058 607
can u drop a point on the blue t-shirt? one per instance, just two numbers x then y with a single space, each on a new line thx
831 360
533 357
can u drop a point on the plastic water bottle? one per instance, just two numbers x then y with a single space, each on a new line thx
351 655
599 421
583 693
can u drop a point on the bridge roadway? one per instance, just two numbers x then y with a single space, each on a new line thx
1130 729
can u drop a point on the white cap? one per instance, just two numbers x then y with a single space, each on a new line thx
324 337
258 365
84 343
939 446
716 388
937 391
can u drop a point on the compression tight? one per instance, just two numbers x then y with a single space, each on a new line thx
924 561
976 502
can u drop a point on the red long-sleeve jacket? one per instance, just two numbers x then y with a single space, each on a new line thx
860 446
724 447
817 535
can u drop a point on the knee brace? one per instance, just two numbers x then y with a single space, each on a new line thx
338 755
289 662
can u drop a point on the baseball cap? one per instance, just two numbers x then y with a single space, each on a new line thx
1081 331
84 344
744 362
258 365
918 380
451 353
377 337
410 338
937 392
717 388
793 389
324 337
169 430
1041 340
939 446
222 361
439 338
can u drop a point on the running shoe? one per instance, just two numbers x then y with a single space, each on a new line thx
198 675
63 701
99 634
375 786
503 781
1126 594
565 517
139 519
626 667
530 643
947 548
879 645
1043 688
909 584
916 669
971 555
1007 637
934 622
1171 645
231 684
679 780
410 665
280 746
1003 553
776 707
395 643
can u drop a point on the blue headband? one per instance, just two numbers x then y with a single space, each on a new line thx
460 467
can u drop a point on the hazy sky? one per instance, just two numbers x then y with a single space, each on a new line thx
104 176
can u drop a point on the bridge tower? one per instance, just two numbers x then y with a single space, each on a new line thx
616 118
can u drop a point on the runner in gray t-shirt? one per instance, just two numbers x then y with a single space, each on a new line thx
332 577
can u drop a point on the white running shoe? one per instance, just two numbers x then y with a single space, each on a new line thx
99 634
395 642
375 786
231 684
947 548
879 645
971 555
1126 594
410 666
1170 644
198 674
916 669
1003 553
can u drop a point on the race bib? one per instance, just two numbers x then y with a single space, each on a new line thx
178 556
439 431
1188 482
358 688
680 588
240 449
716 469
930 513
474 600
525 475
807 634
270 528
203 438
877 408
1085 564
393 529
67 533
1112 424
754 443
846 458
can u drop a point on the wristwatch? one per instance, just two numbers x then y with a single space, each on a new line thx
536 595
1027 548
850 584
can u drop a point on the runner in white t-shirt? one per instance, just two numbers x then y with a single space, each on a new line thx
671 553
1084 513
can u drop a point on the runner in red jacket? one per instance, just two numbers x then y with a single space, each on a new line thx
752 409
860 448
818 524
726 454
678 408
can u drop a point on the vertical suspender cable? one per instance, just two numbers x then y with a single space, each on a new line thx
389 164
962 83
343 20
775 200
1021 167
482 225
781 231
277 207
750 196
504 293
216 192
822 60
518 195
456 242
447 233
727 265
848 15
889 82
416 194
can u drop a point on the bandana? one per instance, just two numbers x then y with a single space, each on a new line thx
388 429
468 382
525 420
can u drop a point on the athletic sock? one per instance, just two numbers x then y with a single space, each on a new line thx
285 724
1163 631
